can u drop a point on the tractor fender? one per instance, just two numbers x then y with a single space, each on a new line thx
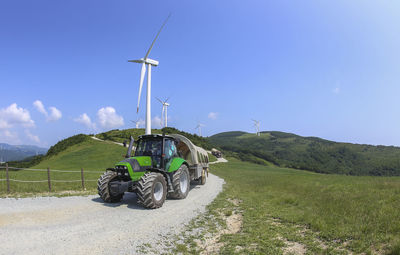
176 164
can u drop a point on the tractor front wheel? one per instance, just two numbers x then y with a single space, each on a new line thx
181 182
152 190
103 187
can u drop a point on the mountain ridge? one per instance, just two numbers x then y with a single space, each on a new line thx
10 152
310 153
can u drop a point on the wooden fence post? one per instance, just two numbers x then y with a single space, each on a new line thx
48 178
83 179
8 179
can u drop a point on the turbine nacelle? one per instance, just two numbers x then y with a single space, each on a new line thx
146 61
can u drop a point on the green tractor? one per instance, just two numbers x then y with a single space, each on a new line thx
163 165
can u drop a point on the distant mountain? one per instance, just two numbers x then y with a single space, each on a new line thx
310 153
18 152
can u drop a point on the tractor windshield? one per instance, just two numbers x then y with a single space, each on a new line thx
149 147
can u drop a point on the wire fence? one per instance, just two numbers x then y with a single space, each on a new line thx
49 180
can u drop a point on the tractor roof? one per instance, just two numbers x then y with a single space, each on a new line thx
154 136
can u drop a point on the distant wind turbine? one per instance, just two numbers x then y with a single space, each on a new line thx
257 126
199 125
149 62
164 113
137 122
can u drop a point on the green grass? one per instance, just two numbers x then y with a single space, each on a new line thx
90 155
211 158
361 214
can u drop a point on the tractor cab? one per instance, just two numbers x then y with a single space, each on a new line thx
161 149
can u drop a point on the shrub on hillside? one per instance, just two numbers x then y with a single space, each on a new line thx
64 144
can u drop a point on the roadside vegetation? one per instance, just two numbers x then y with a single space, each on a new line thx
282 210
310 153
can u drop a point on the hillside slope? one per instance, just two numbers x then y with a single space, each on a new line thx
89 154
311 153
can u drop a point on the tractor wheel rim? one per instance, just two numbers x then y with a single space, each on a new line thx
158 191
183 182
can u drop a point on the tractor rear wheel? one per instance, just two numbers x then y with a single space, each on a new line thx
181 182
152 190
103 187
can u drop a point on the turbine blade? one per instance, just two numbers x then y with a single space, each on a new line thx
159 31
159 100
142 73
166 100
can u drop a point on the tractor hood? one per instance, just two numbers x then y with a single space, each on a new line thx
135 164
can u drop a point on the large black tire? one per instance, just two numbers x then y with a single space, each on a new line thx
152 190
181 182
103 188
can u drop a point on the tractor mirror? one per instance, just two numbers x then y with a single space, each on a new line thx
129 152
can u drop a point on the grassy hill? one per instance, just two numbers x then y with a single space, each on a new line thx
91 155
310 153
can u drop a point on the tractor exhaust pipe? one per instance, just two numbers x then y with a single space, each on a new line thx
129 152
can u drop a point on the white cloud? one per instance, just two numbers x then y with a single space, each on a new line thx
85 120
108 118
213 115
54 115
32 137
14 115
40 107
156 122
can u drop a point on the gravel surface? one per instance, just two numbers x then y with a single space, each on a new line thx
86 225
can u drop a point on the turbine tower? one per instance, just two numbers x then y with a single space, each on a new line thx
149 62
164 113
257 126
199 125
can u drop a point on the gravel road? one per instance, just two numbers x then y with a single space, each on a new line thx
86 225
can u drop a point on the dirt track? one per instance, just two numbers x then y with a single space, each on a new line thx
86 225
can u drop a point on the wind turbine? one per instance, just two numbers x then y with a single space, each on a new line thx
136 123
164 113
257 125
199 125
149 62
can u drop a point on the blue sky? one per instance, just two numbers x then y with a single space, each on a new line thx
314 68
